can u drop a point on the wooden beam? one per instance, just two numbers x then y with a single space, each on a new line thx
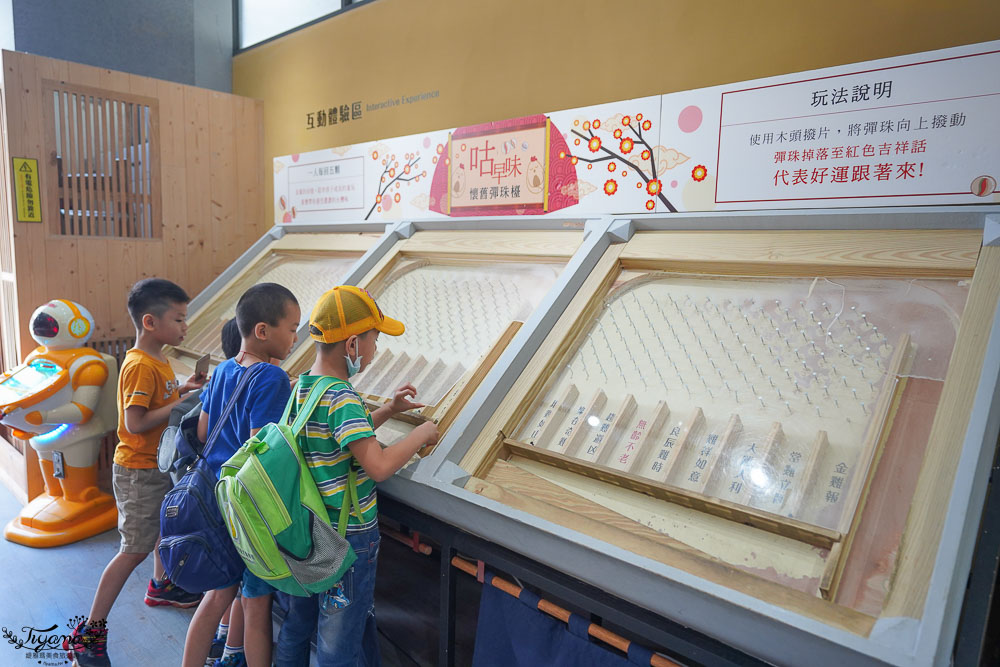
796 530
896 252
918 550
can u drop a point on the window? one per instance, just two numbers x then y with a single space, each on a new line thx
104 174
260 20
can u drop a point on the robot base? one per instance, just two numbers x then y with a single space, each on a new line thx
54 520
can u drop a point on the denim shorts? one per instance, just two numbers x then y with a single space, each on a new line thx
254 586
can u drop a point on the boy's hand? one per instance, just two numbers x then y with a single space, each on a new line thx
195 381
428 433
401 400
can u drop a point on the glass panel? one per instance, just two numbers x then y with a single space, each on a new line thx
766 393
307 276
453 314
263 19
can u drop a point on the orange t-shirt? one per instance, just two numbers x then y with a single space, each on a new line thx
151 383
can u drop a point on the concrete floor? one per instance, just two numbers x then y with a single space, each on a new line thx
45 587
41 588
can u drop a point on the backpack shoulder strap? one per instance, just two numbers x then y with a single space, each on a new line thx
350 501
313 398
250 373
291 403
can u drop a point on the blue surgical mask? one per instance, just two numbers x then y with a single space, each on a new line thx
353 366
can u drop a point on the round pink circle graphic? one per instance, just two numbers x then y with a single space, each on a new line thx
386 203
689 119
427 142
673 184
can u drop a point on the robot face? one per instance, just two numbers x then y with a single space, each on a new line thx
61 324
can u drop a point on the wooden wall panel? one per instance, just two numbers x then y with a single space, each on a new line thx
198 211
222 178
207 183
172 170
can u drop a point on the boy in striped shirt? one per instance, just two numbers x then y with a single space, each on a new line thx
340 434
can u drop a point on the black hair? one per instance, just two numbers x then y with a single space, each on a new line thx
264 302
153 296
231 340
325 348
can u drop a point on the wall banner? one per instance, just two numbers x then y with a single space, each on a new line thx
917 129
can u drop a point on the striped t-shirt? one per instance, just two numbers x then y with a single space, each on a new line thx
340 418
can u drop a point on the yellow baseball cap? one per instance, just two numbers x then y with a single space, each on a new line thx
346 311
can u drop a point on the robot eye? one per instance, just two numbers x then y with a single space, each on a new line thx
45 326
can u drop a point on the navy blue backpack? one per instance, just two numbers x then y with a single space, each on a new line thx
197 553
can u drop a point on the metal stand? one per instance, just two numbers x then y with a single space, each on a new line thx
672 638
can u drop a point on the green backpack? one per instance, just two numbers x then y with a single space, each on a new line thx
275 513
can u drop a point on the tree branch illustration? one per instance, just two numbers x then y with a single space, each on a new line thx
384 187
612 155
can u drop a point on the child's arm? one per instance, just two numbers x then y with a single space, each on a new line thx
400 403
139 419
381 464
203 427
138 383
194 381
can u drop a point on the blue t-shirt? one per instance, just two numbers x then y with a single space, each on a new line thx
263 401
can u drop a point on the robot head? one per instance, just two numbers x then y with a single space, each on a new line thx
61 324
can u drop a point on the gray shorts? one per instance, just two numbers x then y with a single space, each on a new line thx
139 493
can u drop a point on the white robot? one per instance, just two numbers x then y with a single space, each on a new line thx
64 399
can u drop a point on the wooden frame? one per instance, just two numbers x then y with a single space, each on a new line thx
904 253
459 248
109 159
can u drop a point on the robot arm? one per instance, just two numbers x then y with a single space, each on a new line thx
88 380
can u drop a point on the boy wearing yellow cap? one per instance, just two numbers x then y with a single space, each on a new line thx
340 434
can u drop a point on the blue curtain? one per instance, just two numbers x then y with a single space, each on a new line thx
513 633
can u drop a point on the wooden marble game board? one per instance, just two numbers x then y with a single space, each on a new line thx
763 394
456 314
306 275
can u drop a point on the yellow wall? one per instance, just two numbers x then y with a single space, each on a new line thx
494 59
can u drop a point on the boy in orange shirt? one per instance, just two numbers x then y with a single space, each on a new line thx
147 390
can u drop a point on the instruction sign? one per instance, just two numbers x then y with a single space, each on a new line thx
29 206
920 129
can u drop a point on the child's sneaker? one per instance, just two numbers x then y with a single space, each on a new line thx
169 594
214 653
232 660
87 647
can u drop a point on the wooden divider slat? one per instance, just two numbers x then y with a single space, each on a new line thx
74 167
93 170
751 516
82 166
66 222
130 169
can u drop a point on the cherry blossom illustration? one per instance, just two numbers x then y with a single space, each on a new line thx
392 178
622 143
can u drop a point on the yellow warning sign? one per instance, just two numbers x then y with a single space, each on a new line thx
29 205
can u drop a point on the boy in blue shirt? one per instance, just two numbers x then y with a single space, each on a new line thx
268 318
